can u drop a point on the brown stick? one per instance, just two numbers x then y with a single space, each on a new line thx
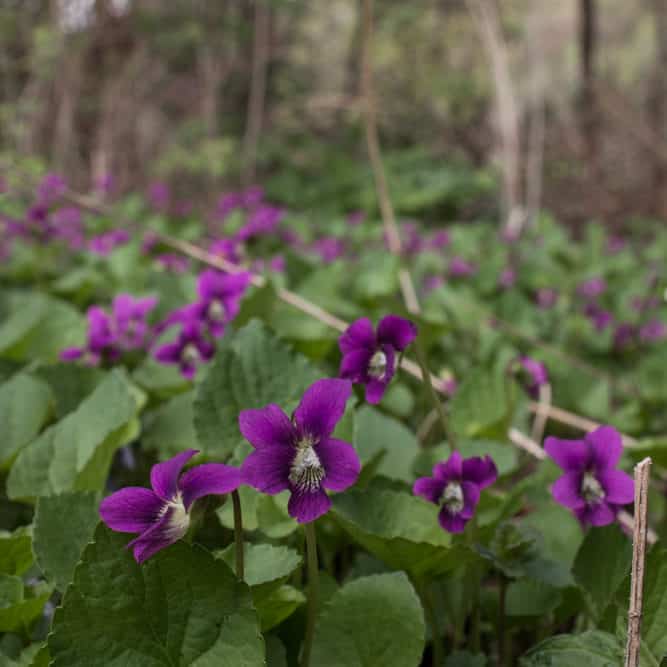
642 474
373 143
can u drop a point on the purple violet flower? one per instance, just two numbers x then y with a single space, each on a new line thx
299 454
190 349
624 335
225 249
220 297
355 218
105 243
370 358
592 288
261 221
159 195
252 197
226 204
459 268
439 240
507 278
173 262
546 297
535 375
591 486
129 320
329 248
161 516
100 342
599 317
653 331
50 189
455 487
432 282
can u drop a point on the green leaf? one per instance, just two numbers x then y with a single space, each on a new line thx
479 404
593 649
22 311
263 563
279 605
19 605
399 528
374 621
465 659
16 551
531 598
70 384
170 429
75 453
58 543
606 545
183 607
376 435
250 371
24 407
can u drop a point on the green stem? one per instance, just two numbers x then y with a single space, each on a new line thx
436 639
313 591
238 533
435 399
503 644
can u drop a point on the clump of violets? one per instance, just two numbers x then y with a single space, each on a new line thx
591 486
300 454
161 515
533 374
455 487
109 334
106 243
371 358
219 297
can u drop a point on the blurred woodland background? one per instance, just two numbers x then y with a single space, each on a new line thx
553 104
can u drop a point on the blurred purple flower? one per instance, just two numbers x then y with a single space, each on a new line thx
173 262
507 278
277 264
226 204
299 454
261 221
189 350
432 282
101 338
534 375
546 297
161 515
50 189
455 487
624 335
225 249
459 268
592 288
220 296
159 196
439 240
129 320
615 244
329 248
653 331
105 243
599 317
105 184
355 218
591 486
371 359
252 197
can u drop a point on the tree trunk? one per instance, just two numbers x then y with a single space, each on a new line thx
587 48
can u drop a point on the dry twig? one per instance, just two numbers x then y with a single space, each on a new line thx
639 538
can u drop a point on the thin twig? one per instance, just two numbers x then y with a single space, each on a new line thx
642 475
373 143
541 416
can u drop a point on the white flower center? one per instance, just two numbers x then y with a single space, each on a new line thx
179 519
377 366
452 498
190 354
306 471
591 490
216 311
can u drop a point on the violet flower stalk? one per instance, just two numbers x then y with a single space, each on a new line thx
161 515
591 487
299 454
371 358
455 487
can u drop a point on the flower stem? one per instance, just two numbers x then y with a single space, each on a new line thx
313 591
435 399
429 610
503 644
238 533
